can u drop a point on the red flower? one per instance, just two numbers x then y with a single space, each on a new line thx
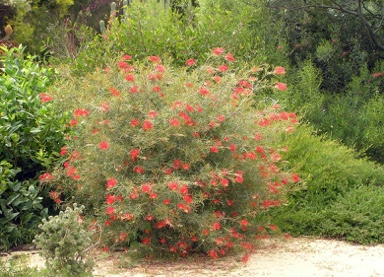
152 114
46 177
376 75
168 171
126 217
245 258
134 89
213 254
127 57
244 222
273 227
281 86
239 177
134 122
220 118
73 122
223 68
123 236
229 57
204 91
224 182
160 68
138 169
110 210
295 177
147 125
122 65
156 89
279 70
188 198
176 164
110 199
190 62
103 145
173 186
130 77
153 195
154 59
114 91
216 78
107 223
104 107
214 149
80 112
146 188
174 122
45 98
134 153
111 183
218 51
71 171
167 201
63 150
184 189
216 226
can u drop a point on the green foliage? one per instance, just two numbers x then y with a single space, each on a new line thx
31 134
338 37
334 178
358 216
354 118
64 241
20 208
175 161
147 28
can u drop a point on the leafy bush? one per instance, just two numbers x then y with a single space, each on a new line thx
175 160
147 28
64 241
31 135
354 118
333 177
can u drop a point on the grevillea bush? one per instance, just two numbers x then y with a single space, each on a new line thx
176 160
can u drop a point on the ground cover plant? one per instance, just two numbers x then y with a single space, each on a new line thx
175 161
342 193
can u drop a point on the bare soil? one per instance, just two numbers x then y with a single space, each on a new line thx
296 257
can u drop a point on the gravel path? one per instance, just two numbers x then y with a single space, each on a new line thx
298 257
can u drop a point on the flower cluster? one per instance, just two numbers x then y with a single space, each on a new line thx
180 161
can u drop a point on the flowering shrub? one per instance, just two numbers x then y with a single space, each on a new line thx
177 161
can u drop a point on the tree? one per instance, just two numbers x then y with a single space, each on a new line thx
341 36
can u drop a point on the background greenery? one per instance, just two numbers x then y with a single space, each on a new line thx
335 83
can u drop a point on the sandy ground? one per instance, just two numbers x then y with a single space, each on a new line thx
298 257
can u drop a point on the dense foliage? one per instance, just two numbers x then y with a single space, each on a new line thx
31 135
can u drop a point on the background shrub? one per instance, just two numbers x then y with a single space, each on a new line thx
31 135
